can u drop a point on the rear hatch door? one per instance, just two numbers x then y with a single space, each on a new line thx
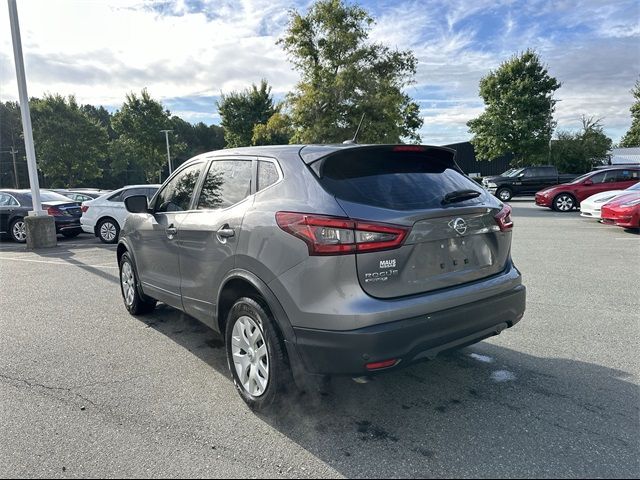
449 243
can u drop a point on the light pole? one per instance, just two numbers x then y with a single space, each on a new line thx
40 227
166 135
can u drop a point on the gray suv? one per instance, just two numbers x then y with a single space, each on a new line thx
324 260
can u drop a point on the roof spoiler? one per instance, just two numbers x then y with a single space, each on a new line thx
312 153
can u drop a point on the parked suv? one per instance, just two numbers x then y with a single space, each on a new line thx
524 181
324 259
105 215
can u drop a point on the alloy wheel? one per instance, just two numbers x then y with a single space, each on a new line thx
564 203
108 231
505 195
19 231
250 356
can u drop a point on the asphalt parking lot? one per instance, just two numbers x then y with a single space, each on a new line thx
87 390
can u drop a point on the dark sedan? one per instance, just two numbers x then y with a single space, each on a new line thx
15 205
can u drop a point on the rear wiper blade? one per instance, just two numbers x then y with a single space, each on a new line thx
460 196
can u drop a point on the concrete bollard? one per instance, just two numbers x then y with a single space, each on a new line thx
41 232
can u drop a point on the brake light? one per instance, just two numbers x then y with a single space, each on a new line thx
326 235
408 148
503 219
84 208
55 212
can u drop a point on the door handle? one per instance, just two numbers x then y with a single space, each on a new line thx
171 231
226 232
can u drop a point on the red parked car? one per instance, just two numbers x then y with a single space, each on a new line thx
567 196
623 211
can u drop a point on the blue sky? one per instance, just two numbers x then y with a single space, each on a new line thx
188 52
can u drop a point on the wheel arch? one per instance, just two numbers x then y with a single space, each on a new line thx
239 283
102 219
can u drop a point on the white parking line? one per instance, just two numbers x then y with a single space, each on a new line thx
56 263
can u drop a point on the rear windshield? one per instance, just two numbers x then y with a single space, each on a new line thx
51 197
394 180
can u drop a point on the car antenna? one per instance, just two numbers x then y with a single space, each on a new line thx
353 141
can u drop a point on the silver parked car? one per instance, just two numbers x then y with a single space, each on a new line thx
324 259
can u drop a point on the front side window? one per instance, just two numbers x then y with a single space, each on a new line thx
598 177
176 195
227 183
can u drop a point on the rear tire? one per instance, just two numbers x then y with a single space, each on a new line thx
255 355
504 194
134 300
18 230
564 202
108 230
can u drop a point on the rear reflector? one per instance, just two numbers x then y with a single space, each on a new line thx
383 364
84 208
326 235
503 219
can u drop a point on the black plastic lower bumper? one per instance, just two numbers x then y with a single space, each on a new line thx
347 352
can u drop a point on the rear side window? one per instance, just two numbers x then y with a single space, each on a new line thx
116 197
227 183
267 174
395 180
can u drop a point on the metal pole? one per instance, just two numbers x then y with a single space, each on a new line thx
13 152
24 109
166 134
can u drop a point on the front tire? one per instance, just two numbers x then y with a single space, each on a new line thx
134 301
255 355
564 203
18 230
504 194
108 231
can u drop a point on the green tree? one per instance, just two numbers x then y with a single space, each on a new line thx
242 111
69 145
140 148
518 110
343 76
632 137
579 152
277 131
10 138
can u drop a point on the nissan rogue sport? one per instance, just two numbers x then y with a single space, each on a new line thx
324 260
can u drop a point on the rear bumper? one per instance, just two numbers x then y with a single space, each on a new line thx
63 225
409 340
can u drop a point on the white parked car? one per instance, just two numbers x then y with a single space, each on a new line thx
590 207
105 215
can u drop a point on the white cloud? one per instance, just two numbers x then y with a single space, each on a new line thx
100 50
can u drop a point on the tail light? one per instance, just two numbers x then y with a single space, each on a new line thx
326 235
84 208
380 365
503 219
55 212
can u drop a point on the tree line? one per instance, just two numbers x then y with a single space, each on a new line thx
344 79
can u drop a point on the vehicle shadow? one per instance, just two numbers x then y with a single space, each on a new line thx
484 411
72 251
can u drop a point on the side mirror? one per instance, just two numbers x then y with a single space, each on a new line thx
588 182
136 204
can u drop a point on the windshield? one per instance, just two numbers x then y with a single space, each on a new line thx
581 178
515 172
51 197
508 172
